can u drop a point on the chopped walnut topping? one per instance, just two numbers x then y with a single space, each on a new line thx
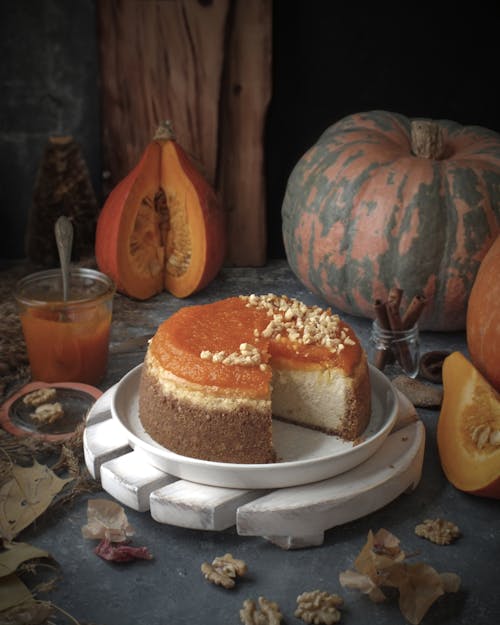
48 413
39 397
224 570
300 323
268 614
438 531
248 356
318 607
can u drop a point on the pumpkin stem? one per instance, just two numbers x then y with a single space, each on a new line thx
165 131
427 139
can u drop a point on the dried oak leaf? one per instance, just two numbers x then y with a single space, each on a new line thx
14 554
29 612
381 564
120 552
106 520
419 587
26 495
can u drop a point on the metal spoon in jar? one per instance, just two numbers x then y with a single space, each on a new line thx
64 239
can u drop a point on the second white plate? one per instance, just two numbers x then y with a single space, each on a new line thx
307 456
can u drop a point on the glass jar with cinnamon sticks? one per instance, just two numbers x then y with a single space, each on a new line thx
394 340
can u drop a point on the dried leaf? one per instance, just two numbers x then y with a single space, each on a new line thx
106 519
451 582
358 581
381 563
26 496
418 590
30 612
12 592
15 554
379 555
121 553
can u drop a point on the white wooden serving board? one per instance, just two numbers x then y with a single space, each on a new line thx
291 517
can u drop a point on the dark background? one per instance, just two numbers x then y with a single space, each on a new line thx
329 60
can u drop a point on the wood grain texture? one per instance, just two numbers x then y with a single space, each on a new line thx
246 96
206 66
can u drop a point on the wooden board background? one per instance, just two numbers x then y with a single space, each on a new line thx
207 67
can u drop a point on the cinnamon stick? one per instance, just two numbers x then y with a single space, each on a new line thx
381 355
413 312
394 297
403 352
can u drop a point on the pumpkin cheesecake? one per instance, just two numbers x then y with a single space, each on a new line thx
215 375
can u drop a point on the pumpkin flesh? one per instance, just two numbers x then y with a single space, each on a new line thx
128 241
470 406
362 213
194 248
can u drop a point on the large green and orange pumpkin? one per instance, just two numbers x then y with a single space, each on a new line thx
483 317
382 200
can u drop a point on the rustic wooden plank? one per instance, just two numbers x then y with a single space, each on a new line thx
246 96
103 441
198 506
309 510
131 481
160 60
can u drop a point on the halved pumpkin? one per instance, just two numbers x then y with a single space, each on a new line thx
162 227
468 432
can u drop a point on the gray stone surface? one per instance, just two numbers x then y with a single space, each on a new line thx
171 589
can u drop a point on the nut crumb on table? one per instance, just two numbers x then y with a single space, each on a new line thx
319 607
48 413
39 397
438 531
224 570
267 612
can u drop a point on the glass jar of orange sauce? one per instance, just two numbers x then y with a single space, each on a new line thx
67 341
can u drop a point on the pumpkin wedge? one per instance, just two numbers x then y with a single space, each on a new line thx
468 432
483 317
162 227
128 245
194 233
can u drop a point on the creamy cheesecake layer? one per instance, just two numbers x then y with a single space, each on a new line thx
198 395
322 399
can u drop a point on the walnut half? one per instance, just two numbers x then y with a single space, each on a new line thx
268 612
318 607
438 531
223 570
48 413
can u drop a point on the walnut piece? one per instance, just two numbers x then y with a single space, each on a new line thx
318 607
268 612
224 570
48 413
300 323
438 531
39 397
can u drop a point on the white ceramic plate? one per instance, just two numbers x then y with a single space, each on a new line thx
307 456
